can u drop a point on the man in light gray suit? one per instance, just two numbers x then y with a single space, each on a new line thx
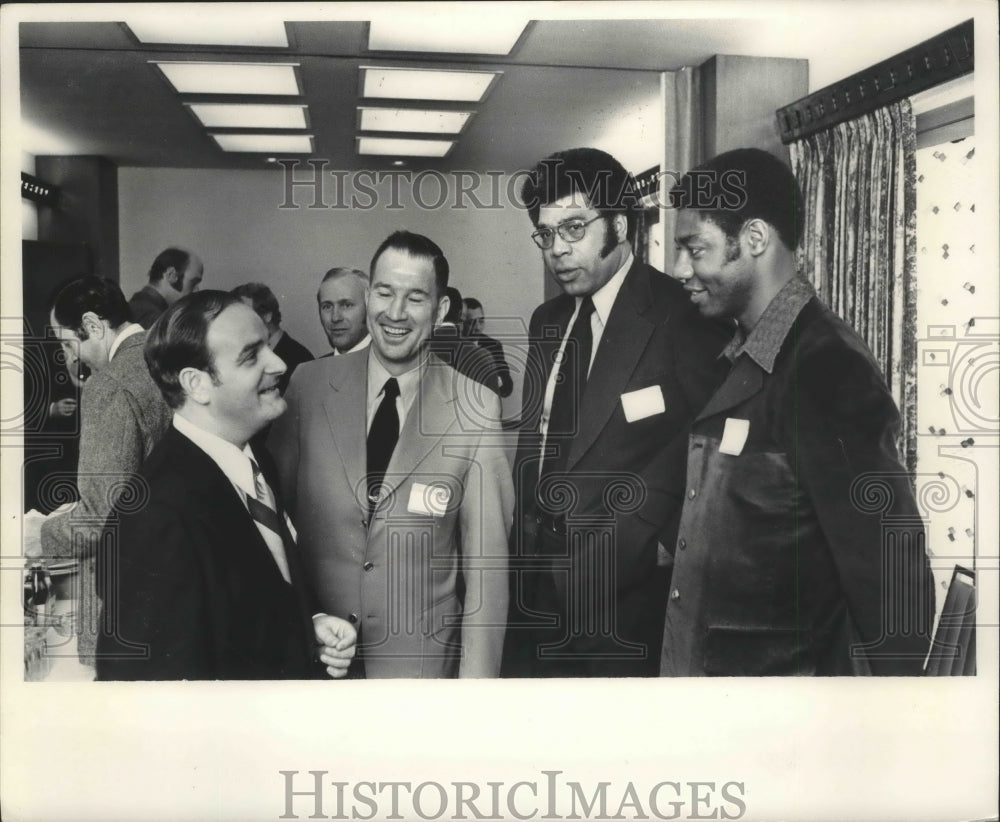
392 468
122 416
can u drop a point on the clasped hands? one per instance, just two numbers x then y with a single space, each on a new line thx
336 638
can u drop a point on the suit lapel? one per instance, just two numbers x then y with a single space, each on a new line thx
744 381
208 482
346 416
430 418
625 338
542 351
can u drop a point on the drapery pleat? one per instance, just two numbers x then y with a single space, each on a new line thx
859 247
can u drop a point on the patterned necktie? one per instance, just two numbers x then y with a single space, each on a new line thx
269 521
570 383
382 437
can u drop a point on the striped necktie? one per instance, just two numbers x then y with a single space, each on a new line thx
270 522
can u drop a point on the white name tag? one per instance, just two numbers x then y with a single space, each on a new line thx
643 403
431 500
734 436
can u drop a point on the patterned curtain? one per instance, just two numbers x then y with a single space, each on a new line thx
859 248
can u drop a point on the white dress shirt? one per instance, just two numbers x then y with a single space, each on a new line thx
359 346
130 331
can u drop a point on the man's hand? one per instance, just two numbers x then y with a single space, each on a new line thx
63 408
336 638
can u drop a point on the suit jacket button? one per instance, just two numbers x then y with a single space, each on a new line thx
682 543
352 618
368 565
675 594
692 494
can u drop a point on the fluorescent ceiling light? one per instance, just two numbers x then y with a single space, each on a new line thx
405 148
200 29
411 119
446 31
231 78
426 84
245 115
265 143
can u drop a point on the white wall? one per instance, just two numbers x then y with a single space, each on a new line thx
232 220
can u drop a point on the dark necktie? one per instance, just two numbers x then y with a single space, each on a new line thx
382 437
571 380
270 522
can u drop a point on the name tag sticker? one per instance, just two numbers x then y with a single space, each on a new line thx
734 436
430 500
646 402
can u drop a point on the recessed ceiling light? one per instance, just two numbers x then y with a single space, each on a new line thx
459 33
398 163
425 84
210 31
249 115
265 143
406 148
412 119
231 78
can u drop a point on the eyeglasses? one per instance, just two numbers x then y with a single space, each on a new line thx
571 231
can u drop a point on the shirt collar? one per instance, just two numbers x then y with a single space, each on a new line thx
766 337
408 382
130 331
232 461
364 343
604 297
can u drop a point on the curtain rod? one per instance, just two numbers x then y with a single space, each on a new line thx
941 58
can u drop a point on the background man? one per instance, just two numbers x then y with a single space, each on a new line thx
174 273
291 352
450 345
122 416
473 320
207 583
778 569
341 300
399 489
617 367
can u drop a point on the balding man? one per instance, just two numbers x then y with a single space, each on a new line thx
175 272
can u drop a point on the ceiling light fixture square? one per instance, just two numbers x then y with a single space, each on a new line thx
453 32
411 119
399 147
425 84
265 143
231 78
205 30
249 115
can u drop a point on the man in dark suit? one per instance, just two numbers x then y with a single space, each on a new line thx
800 548
472 323
462 354
206 579
290 351
618 365
174 273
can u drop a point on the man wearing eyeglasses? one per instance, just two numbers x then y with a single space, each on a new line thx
618 365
